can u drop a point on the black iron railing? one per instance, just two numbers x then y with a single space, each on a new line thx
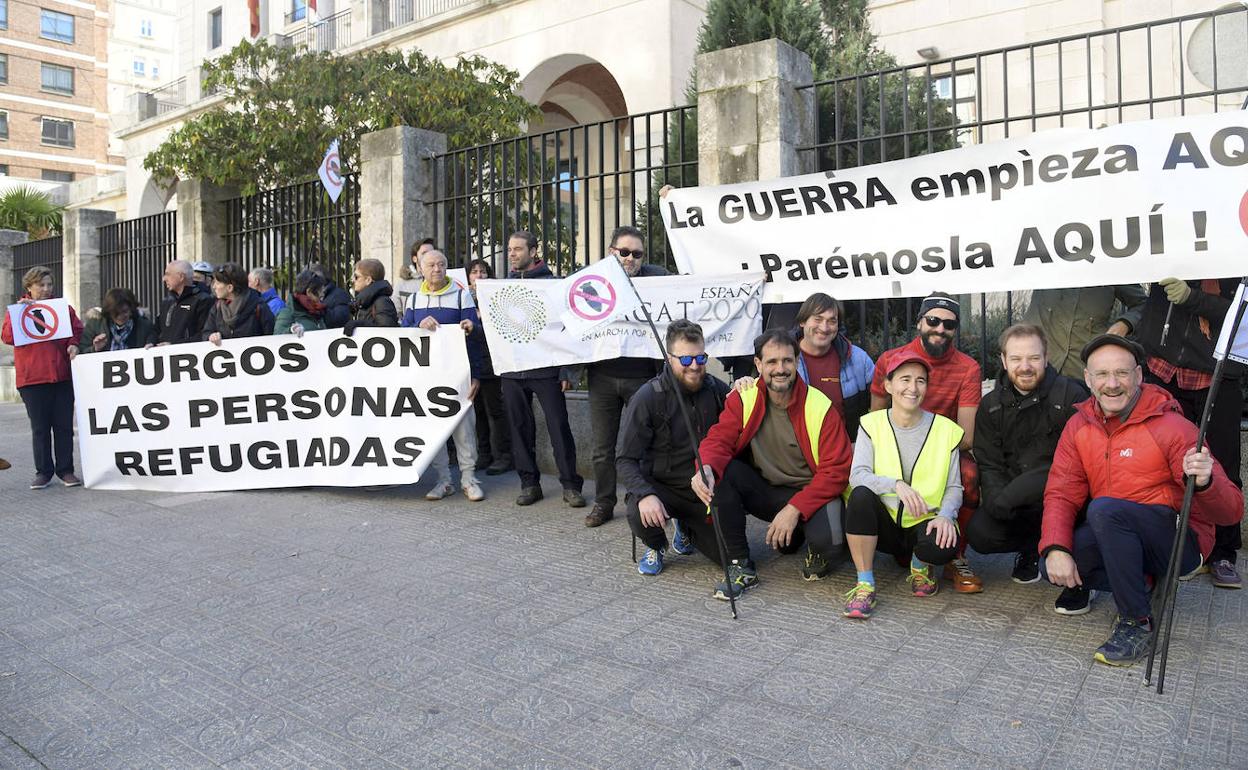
134 253
570 187
46 252
289 227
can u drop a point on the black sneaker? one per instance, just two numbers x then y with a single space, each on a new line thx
573 498
741 577
1073 601
529 495
499 467
600 515
1026 568
816 567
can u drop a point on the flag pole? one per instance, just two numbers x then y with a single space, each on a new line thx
712 510
1164 614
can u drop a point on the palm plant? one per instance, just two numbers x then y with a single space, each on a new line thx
27 209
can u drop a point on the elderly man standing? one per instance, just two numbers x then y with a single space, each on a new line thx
261 280
1125 455
613 382
185 308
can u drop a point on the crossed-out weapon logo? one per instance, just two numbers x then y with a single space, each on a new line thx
518 313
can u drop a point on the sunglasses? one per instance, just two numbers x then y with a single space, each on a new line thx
635 253
934 322
701 358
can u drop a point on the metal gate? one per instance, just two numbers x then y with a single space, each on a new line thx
134 253
46 252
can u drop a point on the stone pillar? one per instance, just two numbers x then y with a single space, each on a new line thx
396 184
81 229
8 282
201 220
751 117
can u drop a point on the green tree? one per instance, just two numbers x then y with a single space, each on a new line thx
283 106
31 211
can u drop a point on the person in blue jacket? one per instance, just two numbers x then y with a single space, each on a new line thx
443 301
261 279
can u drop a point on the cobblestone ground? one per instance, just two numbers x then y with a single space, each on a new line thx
309 628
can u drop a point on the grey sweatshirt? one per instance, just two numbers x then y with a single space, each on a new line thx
909 443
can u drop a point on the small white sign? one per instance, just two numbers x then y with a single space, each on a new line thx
41 321
1237 349
331 172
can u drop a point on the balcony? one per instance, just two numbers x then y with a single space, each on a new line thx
332 33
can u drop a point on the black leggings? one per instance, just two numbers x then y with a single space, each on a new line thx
743 491
866 515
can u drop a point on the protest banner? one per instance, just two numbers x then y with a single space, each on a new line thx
1237 349
524 331
1125 204
596 295
270 412
40 321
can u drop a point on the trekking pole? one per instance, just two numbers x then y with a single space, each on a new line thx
1164 615
712 510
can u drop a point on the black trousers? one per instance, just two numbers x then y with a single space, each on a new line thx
50 408
1223 439
867 515
608 396
493 433
1016 530
682 505
518 400
743 491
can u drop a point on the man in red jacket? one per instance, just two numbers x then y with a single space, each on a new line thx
779 452
1125 454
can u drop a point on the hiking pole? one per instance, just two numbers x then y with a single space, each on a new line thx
712 510
1164 616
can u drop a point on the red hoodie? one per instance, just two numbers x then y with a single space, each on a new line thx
728 438
40 363
1140 461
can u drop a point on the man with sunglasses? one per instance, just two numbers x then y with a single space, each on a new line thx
954 391
613 382
656 451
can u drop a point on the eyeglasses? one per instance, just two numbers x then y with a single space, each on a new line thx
701 358
934 322
635 253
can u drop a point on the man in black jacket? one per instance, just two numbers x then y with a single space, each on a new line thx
185 309
372 305
1181 324
1017 429
613 382
548 385
655 454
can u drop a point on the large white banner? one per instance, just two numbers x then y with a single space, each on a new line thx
522 326
1129 203
271 412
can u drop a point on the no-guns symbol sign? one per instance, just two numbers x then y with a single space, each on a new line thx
39 321
331 172
592 297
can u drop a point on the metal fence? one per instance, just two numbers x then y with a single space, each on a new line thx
47 252
134 253
170 97
1182 65
569 186
329 34
289 227
396 13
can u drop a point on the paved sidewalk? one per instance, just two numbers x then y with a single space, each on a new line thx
310 628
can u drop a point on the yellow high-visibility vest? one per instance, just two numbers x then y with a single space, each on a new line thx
817 406
931 469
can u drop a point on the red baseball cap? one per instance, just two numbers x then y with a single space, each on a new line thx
909 357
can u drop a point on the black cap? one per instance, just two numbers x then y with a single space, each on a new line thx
1102 340
940 300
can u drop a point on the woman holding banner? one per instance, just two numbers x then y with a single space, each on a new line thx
239 312
117 325
493 433
44 380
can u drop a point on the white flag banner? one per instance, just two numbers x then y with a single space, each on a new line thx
1130 203
271 412
330 172
1236 349
47 319
594 296
522 326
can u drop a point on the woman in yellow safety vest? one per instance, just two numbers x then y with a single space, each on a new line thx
905 487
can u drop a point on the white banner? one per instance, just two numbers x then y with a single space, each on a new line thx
1129 203
271 412
522 326
41 321
1237 349
594 296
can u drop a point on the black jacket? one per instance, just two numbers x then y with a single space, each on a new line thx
253 319
337 304
373 307
654 446
538 271
1187 345
633 368
182 317
1016 436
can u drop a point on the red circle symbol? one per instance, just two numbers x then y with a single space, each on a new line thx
333 168
1243 213
44 326
605 302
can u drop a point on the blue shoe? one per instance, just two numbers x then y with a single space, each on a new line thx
741 577
651 562
1130 641
680 541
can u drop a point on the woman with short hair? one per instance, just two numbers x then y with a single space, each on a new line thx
117 325
239 311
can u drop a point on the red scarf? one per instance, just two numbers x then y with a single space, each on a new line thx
313 306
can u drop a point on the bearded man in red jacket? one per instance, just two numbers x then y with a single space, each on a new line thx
1125 455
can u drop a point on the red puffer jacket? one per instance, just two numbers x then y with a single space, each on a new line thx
40 363
1141 461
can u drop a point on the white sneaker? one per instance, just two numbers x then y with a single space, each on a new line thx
472 490
440 490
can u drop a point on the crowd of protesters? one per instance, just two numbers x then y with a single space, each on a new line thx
1075 461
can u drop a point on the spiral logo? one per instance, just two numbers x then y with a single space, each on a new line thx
518 313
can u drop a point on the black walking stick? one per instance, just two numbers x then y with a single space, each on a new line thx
693 438
1164 614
